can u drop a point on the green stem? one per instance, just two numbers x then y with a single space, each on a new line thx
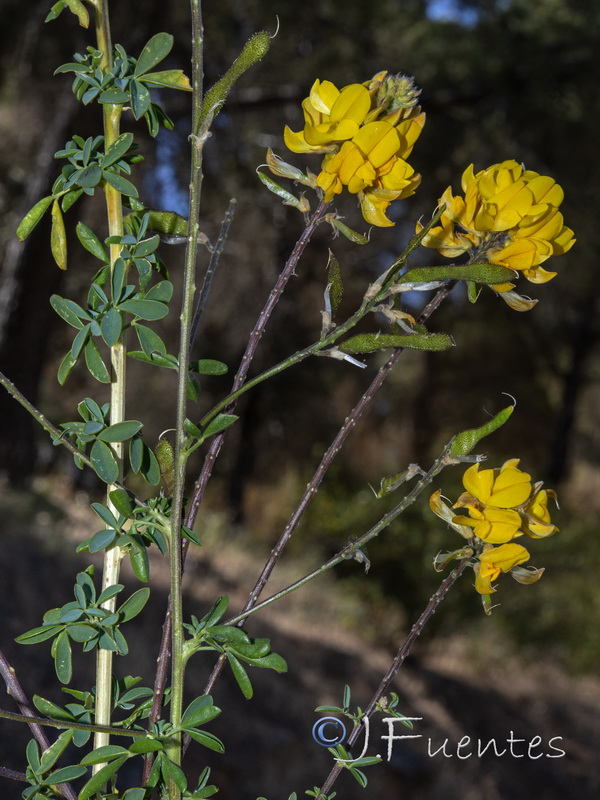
317 348
352 548
187 310
76 726
114 555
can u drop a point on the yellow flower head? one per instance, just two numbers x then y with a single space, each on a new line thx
491 562
508 216
367 132
491 499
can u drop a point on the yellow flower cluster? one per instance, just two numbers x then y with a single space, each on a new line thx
508 216
501 505
366 132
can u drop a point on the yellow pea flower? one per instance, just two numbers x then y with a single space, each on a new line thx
507 487
491 562
494 525
330 116
538 524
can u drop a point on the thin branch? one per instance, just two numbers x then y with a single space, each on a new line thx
354 546
75 726
212 268
399 659
13 775
15 690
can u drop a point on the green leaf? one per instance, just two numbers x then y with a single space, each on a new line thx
33 216
141 746
89 177
371 342
65 311
110 591
122 502
208 366
241 676
79 342
117 149
154 51
114 96
105 515
162 292
216 612
150 468
207 739
40 634
91 242
120 183
82 632
66 365
58 237
136 453
133 605
159 360
360 777
51 755
120 431
51 710
95 364
111 327
272 661
61 650
191 535
104 462
105 753
140 564
145 309
192 430
171 772
199 712
171 78
64 775
97 781
101 540
218 424
140 98
150 341
76 7
68 199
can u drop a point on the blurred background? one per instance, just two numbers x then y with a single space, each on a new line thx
500 79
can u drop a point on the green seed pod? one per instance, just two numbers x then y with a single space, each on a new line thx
464 442
371 342
255 48
478 273
165 455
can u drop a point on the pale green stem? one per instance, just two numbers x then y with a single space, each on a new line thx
187 312
114 555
